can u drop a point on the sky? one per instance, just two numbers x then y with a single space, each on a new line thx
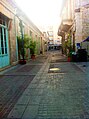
42 12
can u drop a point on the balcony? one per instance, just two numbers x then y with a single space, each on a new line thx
65 26
60 33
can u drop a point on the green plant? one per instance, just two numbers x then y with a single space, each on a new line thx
32 47
70 54
23 44
68 45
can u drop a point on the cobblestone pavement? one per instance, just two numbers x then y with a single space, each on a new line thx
54 94
14 81
84 66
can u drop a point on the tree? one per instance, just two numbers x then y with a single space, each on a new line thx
32 46
23 44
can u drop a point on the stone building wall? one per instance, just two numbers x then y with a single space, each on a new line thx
78 29
8 10
79 13
82 19
12 41
85 23
11 11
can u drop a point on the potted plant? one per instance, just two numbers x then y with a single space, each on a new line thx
23 44
32 48
69 56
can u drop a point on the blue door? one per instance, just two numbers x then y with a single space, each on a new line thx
4 52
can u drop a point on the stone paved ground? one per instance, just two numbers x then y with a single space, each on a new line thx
62 94
15 81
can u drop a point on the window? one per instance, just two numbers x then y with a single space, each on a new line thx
3 41
31 33
3 35
35 37
3 20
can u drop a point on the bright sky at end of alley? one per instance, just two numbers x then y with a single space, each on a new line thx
42 12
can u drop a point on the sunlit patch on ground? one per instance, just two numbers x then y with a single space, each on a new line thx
54 69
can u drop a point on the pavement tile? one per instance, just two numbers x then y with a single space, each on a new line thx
35 81
17 111
41 85
55 95
37 92
23 100
33 85
34 100
30 112
29 91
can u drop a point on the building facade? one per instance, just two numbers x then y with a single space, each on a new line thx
10 18
75 23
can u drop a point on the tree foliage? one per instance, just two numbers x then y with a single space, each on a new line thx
26 43
68 43
23 44
32 47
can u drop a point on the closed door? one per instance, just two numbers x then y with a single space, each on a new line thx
4 52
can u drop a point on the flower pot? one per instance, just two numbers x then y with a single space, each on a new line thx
22 61
69 59
33 57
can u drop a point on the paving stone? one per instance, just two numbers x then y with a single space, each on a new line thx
17 112
30 112
33 85
55 95
34 100
28 91
23 100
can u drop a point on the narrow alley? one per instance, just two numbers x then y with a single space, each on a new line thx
44 59
48 87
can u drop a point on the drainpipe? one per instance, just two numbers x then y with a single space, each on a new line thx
16 38
21 28
63 42
74 41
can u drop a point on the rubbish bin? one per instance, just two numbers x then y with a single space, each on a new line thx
74 57
82 55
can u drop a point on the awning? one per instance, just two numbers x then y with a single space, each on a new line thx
86 40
